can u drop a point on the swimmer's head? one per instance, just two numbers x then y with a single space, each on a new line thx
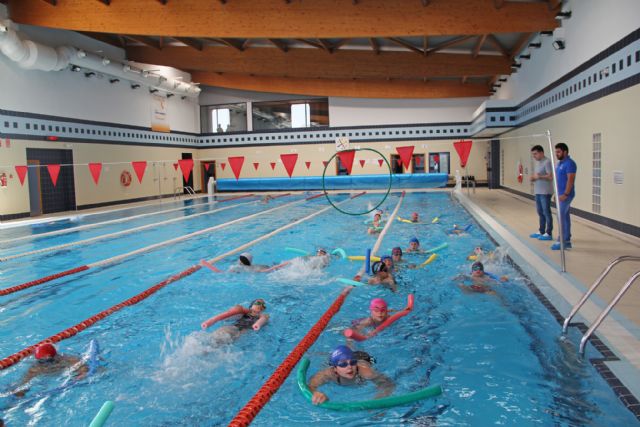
414 216
259 305
45 351
378 304
387 260
414 240
478 250
246 258
340 354
321 252
414 243
396 253
378 267
377 216
477 268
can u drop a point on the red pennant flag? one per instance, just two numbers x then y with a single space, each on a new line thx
405 155
418 160
289 161
324 162
139 168
54 171
255 165
463 148
175 166
22 172
380 162
273 165
95 169
186 165
399 162
346 157
362 162
236 165
207 166
223 165
308 164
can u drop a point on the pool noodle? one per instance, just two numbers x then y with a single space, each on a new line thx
367 262
348 282
437 248
350 333
385 402
231 312
339 251
362 258
429 260
103 414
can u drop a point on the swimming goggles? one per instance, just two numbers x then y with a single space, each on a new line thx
477 268
345 363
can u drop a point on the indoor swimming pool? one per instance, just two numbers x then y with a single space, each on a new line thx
498 356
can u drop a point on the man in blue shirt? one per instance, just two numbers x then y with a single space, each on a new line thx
566 177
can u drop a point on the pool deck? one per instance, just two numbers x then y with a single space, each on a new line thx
511 219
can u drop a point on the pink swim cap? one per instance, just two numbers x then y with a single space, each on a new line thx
378 304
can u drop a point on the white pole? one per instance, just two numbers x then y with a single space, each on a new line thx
555 192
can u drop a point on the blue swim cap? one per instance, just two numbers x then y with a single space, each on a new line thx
386 257
342 352
414 240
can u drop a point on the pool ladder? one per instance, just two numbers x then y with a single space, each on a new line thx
187 188
614 301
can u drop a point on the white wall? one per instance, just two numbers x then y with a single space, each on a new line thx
594 26
68 94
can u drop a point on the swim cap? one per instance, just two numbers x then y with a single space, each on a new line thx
378 267
45 350
342 352
414 214
323 250
378 304
396 251
414 240
386 257
246 258
477 266
259 302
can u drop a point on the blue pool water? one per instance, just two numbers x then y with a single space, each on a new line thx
498 357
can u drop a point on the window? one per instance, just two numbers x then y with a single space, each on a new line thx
396 164
417 163
439 162
300 116
290 114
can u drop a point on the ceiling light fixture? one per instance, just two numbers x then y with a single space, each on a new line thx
135 86
112 81
535 45
563 15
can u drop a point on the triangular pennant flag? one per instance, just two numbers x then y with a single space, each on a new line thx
405 155
418 160
307 164
236 165
95 169
186 165
54 171
22 172
463 148
175 166
324 162
399 162
207 166
139 168
223 165
362 162
289 161
380 162
255 165
273 165
346 158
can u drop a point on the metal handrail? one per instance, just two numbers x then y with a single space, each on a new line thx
605 312
593 287
190 190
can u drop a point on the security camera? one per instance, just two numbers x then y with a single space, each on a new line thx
559 42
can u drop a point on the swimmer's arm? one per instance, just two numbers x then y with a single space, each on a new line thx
264 318
383 383
365 323
316 381
211 321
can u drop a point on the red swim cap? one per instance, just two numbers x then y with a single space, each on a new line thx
45 351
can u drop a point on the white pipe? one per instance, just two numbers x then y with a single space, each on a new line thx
31 55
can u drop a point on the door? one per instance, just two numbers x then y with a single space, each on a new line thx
208 171
190 181
396 164
493 165
35 195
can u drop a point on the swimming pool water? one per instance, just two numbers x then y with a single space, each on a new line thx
498 357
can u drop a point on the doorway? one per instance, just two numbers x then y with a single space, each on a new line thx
396 164
50 198
188 183
35 195
208 171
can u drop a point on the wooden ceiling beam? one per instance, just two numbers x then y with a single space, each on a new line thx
304 63
326 45
337 45
494 41
554 5
520 43
280 44
145 41
425 45
300 19
406 44
163 2
380 88
51 2
105 2
449 43
311 43
194 43
479 43
231 43
109 39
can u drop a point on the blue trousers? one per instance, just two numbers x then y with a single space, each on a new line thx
543 206
566 220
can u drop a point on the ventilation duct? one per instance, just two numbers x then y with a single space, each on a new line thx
31 55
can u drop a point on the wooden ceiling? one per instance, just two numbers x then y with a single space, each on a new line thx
355 48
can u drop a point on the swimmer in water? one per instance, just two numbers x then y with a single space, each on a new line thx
250 318
382 276
349 368
51 363
378 313
481 282
415 217
414 246
376 225
245 265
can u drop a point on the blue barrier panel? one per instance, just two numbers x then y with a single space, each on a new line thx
358 182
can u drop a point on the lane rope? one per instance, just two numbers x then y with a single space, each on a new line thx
115 221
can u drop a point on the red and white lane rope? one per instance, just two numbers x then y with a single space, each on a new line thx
117 258
73 330
113 221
